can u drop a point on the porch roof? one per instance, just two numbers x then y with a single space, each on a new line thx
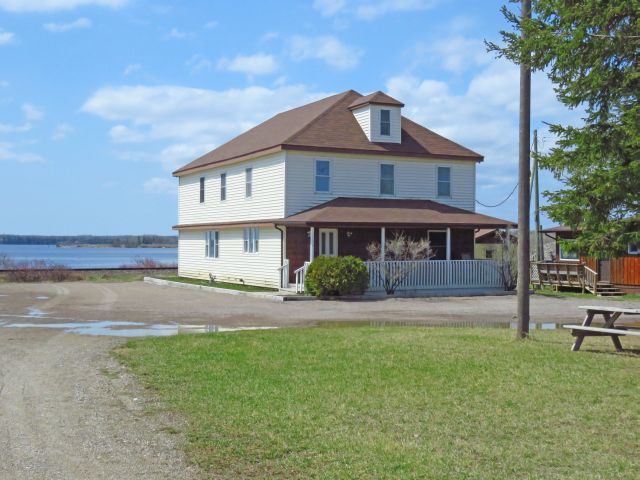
389 212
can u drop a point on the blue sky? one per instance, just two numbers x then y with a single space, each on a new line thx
101 99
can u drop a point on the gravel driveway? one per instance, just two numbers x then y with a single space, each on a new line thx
68 410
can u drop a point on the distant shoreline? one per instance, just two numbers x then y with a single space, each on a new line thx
106 245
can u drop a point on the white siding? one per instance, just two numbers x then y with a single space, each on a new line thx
363 116
266 201
232 263
368 117
394 116
353 176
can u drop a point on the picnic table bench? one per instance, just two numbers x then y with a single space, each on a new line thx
610 315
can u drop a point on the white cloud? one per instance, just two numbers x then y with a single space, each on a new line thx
189 121
368 9
160 185
178 34
6 37
326 48
211 24
65 27
31 112
55 5
257 64
62 131
267 37
131 69
328 8
8 153
7 128
4 83
456 54
198 63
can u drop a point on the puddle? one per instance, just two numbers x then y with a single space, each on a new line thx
453 324
42 297
35 312
128 329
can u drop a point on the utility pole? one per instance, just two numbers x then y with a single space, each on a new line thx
536 203
524 204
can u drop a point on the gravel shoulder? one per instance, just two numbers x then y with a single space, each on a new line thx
69 411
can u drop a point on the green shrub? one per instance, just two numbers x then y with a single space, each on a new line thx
331 276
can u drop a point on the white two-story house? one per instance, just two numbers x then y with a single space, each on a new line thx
326 178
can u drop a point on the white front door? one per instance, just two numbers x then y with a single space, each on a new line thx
329 242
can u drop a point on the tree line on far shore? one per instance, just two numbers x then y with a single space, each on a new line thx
109 240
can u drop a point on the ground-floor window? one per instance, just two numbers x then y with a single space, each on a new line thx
488 253
212 241
634 249
251 240
567 254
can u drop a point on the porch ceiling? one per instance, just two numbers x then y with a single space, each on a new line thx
388 212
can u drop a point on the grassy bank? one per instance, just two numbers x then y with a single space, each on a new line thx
398 403
550 292
206 283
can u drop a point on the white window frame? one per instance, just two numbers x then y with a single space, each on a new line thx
334 244
393 164
381 122
315 175
633 251
248 182
438 167
223 188
212 244
564 258
251 240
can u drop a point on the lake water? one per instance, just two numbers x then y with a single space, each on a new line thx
82 257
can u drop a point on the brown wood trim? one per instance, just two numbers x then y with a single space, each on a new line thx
383 153
388 225
227 225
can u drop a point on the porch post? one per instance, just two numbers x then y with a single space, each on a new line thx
383 240
448 243
312 242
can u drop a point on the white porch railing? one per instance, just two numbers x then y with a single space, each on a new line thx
284 274
435 274
300 274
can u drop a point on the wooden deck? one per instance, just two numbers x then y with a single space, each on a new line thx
573 275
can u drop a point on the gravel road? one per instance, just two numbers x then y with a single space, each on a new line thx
69 411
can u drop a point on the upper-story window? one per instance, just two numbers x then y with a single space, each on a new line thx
201 189
387 179
248 181
385 122
251 240
444 181
323 176
223 186
212 240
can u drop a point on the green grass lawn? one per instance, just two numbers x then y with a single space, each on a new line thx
399 402
550 292
206 283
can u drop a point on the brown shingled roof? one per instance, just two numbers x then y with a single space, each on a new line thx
343 211
377 98
329 126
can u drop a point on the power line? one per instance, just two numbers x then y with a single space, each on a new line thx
498 204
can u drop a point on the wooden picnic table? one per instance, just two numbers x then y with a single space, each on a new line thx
610 315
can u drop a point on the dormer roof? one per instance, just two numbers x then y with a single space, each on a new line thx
376 98
329 125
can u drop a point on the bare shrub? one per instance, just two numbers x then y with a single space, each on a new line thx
508 264
400 248
36 271
148 263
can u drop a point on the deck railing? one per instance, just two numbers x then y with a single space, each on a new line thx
435 274
300 274
284 274
565 274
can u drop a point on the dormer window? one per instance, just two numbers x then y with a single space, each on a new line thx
385 122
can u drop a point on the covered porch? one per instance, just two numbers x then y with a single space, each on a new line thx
347 226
